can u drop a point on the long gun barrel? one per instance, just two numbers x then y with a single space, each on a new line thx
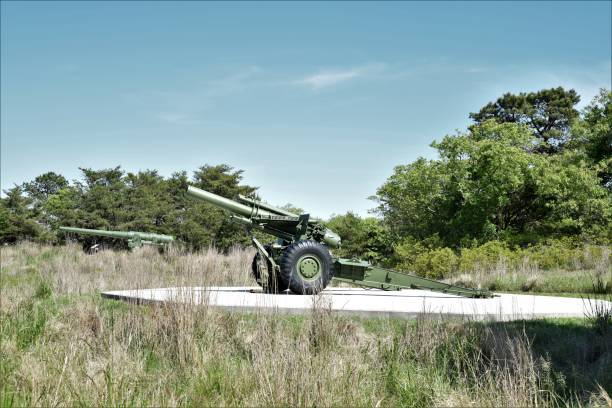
135 238
274 221
248 211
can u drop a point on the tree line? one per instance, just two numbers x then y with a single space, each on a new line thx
530 168
113 199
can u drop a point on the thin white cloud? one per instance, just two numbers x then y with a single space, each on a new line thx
476 70
231 83
178 118
327 78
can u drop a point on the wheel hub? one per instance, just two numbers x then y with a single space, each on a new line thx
309 266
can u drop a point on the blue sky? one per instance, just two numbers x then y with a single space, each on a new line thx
316 102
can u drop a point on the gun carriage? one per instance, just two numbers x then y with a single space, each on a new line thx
301 259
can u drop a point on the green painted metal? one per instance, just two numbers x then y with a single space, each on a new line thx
290 228
274 221
362 273
231 205
309 267
135 239
265 206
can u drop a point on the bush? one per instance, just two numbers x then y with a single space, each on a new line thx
413 256
437 263
426 259
486 256
406 253
555 254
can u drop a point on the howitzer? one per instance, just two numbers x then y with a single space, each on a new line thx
300 260
135 239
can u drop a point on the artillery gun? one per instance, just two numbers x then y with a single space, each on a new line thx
300 260
135 239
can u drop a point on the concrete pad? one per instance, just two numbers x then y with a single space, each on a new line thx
369 302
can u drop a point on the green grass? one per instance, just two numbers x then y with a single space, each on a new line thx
556 281
574 348
62 344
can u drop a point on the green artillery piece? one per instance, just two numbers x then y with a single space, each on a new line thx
300 259
135 239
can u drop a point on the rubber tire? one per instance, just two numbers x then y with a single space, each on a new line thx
273 286
292 278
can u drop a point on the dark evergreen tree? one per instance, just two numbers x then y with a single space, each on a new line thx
548 113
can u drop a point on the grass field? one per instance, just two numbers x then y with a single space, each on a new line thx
64 345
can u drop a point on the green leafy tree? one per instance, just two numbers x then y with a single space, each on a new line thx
61 208
575 203
102 198
548 113
415 200
147 202
112 199
39 192
45 185
487 185
365 238
225 181
17 221
490 178
593 135
222 180
293 209
191 221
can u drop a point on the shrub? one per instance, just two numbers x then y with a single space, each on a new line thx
556 254
436 263
486 256
406 253
423 258
595 255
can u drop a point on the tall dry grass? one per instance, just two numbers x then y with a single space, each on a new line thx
72 271
62 345
592 274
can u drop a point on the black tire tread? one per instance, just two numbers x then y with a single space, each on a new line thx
292 279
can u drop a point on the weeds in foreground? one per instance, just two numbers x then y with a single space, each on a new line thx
64 345
599 314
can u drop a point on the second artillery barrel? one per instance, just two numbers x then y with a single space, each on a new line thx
146 236
227 204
